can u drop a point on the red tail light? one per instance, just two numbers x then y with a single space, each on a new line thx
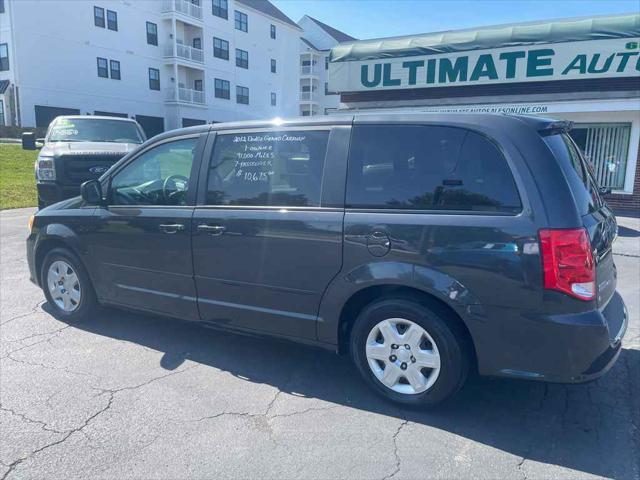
567 262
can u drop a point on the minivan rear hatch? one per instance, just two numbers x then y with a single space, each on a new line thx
597 218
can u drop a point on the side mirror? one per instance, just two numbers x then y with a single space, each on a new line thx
91 192
29 141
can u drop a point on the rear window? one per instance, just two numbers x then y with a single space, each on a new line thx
428 168
580 178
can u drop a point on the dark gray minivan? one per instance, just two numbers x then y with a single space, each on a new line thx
424 245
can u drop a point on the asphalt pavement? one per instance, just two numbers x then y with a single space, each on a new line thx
134 396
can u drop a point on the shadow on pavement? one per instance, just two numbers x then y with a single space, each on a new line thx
628 232
573 426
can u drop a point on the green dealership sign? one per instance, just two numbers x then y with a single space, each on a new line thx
560 61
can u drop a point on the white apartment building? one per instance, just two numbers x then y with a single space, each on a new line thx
315 45
166 63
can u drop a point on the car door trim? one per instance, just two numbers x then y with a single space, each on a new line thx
253 308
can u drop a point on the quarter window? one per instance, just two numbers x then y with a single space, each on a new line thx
273 31
114 66
220 48
152 33
159 176
242 58
428 168
220 8
222 89
241 21
98 17
267 168
273 66
112 20
154 79
103 70
242 95
4 57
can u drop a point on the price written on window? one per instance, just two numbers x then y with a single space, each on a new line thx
254 160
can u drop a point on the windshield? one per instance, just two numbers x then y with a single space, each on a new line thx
94 130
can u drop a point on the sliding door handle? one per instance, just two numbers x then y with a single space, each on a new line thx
172 227
214 230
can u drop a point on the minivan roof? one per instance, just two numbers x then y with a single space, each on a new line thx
537 123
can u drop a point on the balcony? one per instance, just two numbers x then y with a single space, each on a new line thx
308 97
309 70
185 95
178 50
185 7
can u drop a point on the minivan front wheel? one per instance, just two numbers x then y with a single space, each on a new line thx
66 285
408 353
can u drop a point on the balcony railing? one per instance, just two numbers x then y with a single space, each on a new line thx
184 51
185 95
183 6
308 70
307 96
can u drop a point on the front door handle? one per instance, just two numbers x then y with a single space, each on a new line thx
214 230
172 227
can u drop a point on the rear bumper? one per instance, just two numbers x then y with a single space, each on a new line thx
50 192
571 348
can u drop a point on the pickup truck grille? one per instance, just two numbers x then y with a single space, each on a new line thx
75 169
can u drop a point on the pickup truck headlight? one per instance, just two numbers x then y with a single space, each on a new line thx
45 169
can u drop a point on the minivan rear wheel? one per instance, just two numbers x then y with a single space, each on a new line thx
409 352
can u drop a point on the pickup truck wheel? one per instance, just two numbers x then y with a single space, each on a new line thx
408 353
66 286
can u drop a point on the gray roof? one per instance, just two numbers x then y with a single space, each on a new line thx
335 33
531 33
268 8
309 44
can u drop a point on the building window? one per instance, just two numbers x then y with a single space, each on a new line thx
114 66
273 31
220 9
2 121
326 63
112 20
197 85
4 57
2 11
220 48
273 66
103 70
242 95
98 17
152 33
242 22
196 43
154 79
273 99
222 89
606 149
242 58
326 88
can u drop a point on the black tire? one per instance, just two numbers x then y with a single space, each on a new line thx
88 302
450 341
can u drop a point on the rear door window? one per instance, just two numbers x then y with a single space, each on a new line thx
267 168
428 168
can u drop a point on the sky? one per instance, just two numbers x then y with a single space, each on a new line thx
386 18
